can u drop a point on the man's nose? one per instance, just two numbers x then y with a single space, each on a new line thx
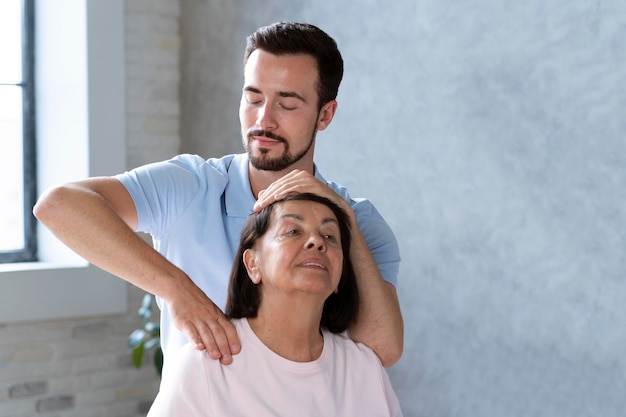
265 116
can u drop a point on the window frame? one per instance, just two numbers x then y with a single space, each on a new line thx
29 155
81 129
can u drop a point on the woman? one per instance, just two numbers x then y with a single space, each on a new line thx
292 293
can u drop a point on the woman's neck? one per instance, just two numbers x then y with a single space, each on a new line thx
293 335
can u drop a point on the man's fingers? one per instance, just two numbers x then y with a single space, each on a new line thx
294 182
269 195
192 334
207 339
205 325
218 337
233 337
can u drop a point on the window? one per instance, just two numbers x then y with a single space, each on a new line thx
79 81
17 132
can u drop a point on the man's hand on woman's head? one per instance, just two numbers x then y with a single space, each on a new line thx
295 182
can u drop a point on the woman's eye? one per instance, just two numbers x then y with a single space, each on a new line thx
331 238
293 232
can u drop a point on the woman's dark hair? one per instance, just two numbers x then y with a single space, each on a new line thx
244 296
291 38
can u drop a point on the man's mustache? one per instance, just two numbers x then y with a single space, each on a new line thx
266 134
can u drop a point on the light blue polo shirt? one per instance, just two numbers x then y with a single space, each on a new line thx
195 210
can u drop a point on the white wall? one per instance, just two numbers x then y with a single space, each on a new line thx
491 136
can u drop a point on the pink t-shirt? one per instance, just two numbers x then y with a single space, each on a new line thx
346 380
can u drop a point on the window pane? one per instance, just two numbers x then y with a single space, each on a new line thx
11 170
11 42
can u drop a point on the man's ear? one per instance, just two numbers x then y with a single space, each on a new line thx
326 114
250 261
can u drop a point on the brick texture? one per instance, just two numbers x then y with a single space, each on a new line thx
82 367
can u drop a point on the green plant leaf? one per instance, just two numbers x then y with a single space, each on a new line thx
158 360
147 301
146 308
137 355
136 338
142 340
153 328
152 343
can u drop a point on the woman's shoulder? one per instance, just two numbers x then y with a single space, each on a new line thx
187 357
351 351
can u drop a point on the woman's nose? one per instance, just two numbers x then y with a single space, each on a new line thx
315 241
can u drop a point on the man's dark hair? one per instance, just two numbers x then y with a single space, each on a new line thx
244 296
289 38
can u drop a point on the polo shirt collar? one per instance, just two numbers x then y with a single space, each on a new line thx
238 197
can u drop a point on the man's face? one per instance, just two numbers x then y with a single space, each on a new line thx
279 111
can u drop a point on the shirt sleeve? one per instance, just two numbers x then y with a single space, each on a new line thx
162 191
184 386
380 239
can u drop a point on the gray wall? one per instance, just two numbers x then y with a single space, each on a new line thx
491 135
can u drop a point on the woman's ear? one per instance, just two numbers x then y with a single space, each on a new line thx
252 267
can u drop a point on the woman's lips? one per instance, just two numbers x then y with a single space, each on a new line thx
313 263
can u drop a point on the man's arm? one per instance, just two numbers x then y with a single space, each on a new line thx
379 324
96 218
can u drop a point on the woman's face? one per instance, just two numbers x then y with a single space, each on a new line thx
300 252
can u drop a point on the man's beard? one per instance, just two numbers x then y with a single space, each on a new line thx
265 163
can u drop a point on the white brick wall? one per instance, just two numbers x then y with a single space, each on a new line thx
152 78
82 367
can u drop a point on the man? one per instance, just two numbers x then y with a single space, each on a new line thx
195 208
